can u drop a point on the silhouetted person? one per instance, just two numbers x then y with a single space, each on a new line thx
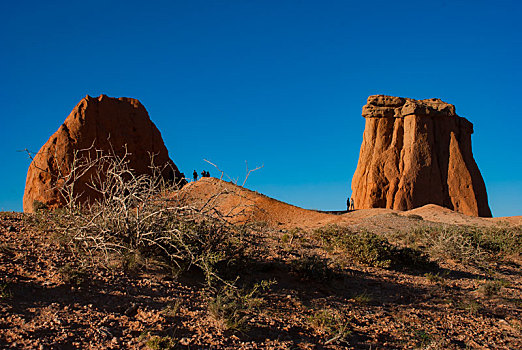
203 174
208 174
352 205
348 204
195 175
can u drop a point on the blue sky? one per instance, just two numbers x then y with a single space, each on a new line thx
279 83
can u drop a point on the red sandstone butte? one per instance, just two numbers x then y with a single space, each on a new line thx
417 152
103 123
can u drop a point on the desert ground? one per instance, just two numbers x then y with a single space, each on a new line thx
284 278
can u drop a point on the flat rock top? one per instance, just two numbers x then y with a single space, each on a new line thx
383 106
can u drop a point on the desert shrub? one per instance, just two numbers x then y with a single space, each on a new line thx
139 218
155 342
73 275
453 243
370 249
468 245
331 322
172 309
422 338
231 306
412 257
499 239
437 277
473 307
363 298
288 237
37 206
492 288
312 267
5 290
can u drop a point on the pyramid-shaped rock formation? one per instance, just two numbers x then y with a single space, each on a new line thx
417 152
103 123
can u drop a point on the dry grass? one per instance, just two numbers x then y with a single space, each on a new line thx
333 323
468 245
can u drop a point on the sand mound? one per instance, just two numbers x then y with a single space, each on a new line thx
239 204
436 213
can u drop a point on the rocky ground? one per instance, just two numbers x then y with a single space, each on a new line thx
298 293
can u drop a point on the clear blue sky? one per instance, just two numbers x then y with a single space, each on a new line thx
279 83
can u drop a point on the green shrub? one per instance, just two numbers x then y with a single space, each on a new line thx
312 267
492 288
232 306
73 275
5 291
423 338
156 342
499 239
331 322
38 206
172 309
436 277
363 298
473 307
370 249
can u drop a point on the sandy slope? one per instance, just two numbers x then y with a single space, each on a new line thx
49 297
437 213
241 204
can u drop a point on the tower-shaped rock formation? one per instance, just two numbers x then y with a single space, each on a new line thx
415 153
108 124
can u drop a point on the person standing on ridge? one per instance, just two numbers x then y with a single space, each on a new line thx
195 175
348 201
352 205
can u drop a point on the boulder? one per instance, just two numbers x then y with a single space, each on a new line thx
417 152
117 125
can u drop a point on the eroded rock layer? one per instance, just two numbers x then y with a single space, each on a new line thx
417 152
103 123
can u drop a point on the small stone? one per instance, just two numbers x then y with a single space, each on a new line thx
131 310
185 341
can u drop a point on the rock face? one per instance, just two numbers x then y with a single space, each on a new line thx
416 153
104 123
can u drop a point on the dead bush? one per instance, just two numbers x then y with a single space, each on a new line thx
139 216
466 244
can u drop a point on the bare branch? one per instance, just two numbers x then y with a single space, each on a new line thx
250 171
